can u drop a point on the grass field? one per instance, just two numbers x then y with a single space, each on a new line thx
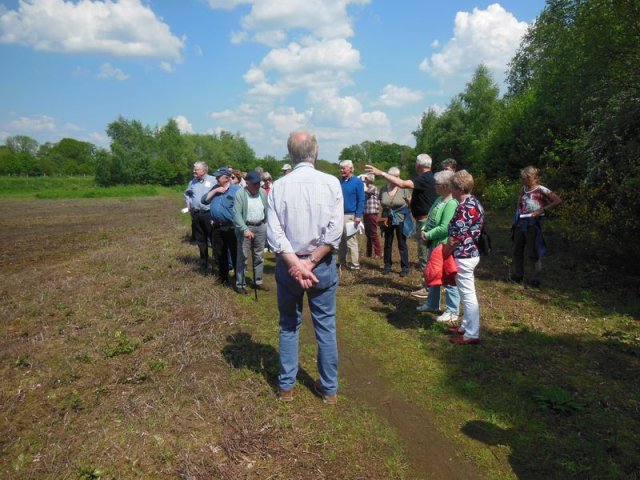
71 187
119 360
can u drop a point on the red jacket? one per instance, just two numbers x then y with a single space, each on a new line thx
439 270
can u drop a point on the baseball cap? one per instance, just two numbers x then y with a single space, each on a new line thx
222 171
252 177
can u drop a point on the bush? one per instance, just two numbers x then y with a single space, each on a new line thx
501 193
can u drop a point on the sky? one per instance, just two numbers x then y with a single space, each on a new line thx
347 70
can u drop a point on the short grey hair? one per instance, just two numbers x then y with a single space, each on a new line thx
370 177
395 171
449 164
346 163
423 160
303 147
202 165
443 178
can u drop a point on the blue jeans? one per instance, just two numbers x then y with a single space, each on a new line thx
452 300
322 304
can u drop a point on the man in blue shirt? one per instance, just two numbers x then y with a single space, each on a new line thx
353 195
201 183
221 200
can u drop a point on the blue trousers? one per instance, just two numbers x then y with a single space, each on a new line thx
322 304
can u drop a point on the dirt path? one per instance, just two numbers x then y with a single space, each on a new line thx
430 454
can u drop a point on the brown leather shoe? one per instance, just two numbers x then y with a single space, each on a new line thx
285 395
328 399
241 290
262 287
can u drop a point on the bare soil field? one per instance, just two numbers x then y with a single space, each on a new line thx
118 359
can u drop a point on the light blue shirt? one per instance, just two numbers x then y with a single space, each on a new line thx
196 189
305 211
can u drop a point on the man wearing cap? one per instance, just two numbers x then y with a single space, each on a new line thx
249 220
304 227
286 168
221 200
199 185
353 195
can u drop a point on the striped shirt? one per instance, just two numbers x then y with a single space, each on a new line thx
305 211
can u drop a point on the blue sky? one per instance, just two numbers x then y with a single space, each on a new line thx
349 70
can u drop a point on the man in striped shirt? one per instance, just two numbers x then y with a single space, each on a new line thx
304 227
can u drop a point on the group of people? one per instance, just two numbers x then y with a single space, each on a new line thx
307 215
228 212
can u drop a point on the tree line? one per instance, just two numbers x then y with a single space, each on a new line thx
572 108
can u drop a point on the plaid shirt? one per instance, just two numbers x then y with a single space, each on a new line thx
371 200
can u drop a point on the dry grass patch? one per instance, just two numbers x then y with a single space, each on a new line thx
114 360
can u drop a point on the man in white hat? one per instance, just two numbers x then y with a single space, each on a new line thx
286 168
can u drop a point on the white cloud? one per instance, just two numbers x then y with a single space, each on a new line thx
488 36
394 96
167 67
435 44
109 71
323 18
122 28
99 139
45 128
238 37
272 38
183 124
35 124
335 54
315 65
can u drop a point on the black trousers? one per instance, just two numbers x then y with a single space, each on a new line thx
201 226
225 246
402 245
524 248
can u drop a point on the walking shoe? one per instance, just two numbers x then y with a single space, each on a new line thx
462 340
353 267
447 317
420 293
285 395
387 269
241 290
262 287
404 272
328 399
455 331
424 308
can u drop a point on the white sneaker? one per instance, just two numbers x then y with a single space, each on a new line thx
447 317
424 308
420 293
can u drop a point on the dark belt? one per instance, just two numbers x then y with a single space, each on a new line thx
222 225
255 224
200 211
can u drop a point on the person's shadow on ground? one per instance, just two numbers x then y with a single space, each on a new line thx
242 352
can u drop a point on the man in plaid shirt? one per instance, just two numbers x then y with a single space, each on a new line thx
371 209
